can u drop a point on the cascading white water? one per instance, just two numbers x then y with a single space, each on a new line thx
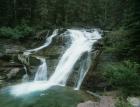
47 43
41 73
81 42
84 67
85 64
25 77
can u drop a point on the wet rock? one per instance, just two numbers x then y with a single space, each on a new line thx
98 45
11 51
13 65
2 82
2 77
14 49
5 57
1 54
42 34
13 72
93 78
54 51
34 61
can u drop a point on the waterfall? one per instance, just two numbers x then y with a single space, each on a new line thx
82 42
25 77
84 67
47 43
41 73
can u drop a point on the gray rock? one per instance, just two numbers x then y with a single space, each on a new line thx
11 51
13 72
14 49
1 82
2 78
1 54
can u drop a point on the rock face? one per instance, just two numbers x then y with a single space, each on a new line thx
93 78
12 73
10 70
1 54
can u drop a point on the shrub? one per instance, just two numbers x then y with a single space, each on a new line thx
121 102
124 76
16 33
117 42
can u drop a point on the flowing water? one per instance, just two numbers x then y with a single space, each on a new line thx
41 73
25 77
84 67
47 43
82 42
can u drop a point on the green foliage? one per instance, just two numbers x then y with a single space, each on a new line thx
121 43
116 38
124 76
117 42
16 33
122 103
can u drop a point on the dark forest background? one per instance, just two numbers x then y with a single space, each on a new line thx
106 14
120 16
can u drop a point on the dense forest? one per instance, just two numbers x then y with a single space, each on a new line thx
107 14
118 16
119 21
